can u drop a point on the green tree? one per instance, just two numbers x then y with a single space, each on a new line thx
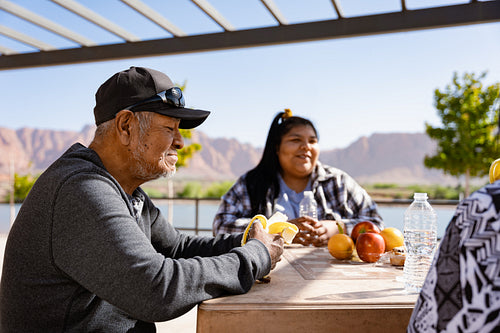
468 140
22 186
188 150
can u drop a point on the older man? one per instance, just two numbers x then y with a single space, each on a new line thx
89 251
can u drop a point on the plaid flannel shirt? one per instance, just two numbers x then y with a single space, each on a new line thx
338 195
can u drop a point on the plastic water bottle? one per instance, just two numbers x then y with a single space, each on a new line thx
420 237
308 206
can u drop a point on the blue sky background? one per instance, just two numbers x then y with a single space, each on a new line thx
348 87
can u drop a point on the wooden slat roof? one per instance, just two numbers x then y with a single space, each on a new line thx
177 41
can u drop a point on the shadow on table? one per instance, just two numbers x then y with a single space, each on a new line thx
357 295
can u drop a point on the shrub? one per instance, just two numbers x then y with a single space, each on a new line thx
384 186
153 193
217 190
191 190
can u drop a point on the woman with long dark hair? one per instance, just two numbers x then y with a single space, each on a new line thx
289 166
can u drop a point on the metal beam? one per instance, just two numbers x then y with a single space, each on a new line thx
23 38
338 9
275 11
44 23
97 19
403 5
206 7
154 16
410 20
6 50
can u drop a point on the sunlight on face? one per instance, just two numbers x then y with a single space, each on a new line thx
298 151
155 153
143 169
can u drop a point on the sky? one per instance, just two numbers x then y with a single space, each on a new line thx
349 87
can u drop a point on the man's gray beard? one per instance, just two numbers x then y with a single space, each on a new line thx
146 171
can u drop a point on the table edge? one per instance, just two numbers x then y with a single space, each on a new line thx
280 306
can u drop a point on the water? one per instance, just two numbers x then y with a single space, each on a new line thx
5 217
420 240
308 206
420 246
185 212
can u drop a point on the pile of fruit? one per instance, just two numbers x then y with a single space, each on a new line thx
368 243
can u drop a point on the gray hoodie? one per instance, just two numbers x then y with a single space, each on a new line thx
79 258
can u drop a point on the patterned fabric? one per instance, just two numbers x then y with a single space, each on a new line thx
462 290
338 195
137 202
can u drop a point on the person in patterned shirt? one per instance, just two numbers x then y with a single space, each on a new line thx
461 292
288 167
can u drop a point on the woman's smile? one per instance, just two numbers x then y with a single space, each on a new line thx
298 152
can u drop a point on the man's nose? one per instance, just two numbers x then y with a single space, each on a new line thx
178 142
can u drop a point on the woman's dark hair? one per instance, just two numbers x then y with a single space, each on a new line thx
265 175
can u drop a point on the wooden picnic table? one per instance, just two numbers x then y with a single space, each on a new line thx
310 291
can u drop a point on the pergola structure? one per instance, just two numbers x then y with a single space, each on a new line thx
177 41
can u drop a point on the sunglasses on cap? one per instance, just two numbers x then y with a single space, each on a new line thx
172 97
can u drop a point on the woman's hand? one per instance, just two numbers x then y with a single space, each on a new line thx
313 232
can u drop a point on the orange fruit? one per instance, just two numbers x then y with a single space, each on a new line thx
341 246
393 237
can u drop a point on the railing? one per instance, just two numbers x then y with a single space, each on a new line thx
381 202
197 229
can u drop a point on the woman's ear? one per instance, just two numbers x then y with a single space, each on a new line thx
124 124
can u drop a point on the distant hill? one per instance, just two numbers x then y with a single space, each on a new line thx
33 150
388 158
380 158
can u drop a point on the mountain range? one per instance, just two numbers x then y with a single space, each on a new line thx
395 158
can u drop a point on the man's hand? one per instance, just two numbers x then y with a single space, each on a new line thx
274 243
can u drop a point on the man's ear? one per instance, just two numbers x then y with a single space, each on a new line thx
124 122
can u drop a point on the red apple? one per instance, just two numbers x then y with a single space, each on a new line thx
370 246
362 227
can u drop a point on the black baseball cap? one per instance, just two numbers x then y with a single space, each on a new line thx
139 89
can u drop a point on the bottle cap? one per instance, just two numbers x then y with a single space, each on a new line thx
420 196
